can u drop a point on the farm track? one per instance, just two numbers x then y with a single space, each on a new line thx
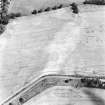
48 81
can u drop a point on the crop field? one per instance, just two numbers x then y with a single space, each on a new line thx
53 42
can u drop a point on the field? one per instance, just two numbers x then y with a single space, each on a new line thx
53 42
25 7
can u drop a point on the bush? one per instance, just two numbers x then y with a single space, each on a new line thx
60 6
4 20
39 11
2 28
54 8
84 2
34 12
97 2
47 9
11 16
18 15
74 8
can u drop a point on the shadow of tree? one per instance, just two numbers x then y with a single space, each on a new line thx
96 100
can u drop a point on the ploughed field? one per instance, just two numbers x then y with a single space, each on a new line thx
56 42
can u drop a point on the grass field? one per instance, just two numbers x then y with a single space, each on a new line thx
53 42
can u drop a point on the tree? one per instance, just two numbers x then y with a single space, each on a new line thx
74 8
3 15
4 12
97 2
